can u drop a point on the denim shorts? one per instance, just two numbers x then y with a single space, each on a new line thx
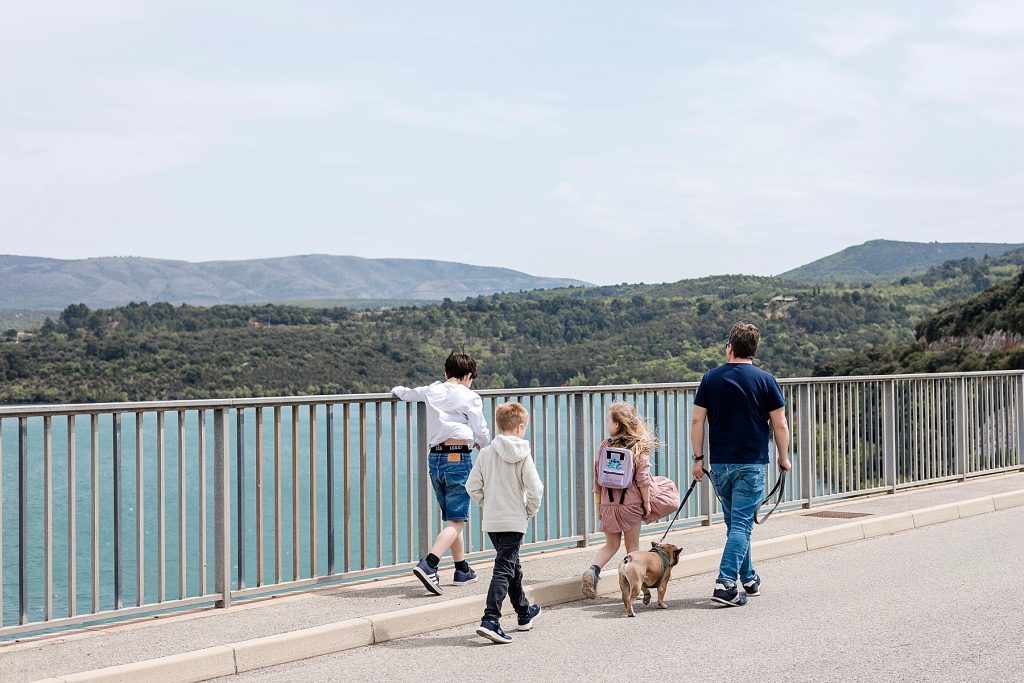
449 482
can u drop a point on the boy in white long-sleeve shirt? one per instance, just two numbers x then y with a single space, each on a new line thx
505 484
455 424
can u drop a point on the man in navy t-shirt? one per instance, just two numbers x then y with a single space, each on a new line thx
739 401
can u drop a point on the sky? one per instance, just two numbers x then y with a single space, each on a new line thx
606 141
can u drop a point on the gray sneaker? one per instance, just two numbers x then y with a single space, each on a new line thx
589 582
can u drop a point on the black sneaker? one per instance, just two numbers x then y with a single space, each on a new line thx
491 630
752 587
526 622
728 595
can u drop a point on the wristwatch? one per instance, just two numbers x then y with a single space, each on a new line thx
698 458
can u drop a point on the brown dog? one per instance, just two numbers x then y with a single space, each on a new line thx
646 570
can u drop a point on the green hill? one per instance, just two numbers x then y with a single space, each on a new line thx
890 260
985 332
622 334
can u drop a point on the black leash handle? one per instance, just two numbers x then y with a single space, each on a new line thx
679 509
780 488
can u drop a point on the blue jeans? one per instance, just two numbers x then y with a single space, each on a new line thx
740 488
449 482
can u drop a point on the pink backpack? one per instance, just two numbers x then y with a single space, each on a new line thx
615 470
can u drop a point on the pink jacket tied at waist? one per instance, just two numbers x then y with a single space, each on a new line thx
617 517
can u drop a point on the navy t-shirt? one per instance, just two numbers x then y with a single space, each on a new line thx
738 398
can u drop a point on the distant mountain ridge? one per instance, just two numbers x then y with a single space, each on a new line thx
889 260
28 282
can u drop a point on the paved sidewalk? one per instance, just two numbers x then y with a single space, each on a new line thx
111 645
861 611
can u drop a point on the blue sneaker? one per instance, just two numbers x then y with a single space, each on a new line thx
463 578
491 630
752 587
428 576
526 621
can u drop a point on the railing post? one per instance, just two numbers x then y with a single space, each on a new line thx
423 478
116 461
960 427
22 520
329 411
580 473
1020 422
705 482
889 434
805 445
221 509
240 492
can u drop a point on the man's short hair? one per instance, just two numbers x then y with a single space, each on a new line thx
459 364
510 415
744 339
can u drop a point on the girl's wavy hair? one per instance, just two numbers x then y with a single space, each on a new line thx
634 432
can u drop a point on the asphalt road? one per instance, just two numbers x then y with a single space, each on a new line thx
943 603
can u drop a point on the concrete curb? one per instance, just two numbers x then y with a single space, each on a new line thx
225 660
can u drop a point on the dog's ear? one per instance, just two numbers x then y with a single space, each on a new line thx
654 545
676 552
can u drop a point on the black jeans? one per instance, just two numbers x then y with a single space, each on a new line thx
507 578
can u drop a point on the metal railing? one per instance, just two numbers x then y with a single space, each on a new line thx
113 510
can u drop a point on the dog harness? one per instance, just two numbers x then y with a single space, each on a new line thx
664 565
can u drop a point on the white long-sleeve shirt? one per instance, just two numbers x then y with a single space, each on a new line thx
454 411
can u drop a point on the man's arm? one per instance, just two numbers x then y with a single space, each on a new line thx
780 432
697 439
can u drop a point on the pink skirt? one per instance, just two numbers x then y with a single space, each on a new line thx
615 518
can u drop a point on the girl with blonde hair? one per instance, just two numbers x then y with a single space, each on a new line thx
645 499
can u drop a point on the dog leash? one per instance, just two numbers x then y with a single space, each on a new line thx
680 508
779 488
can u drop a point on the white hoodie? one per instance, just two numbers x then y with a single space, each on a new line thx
454 411
505 484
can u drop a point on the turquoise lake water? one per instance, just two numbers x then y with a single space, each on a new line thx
393 517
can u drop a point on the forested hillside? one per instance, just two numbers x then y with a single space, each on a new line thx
986 332
629 333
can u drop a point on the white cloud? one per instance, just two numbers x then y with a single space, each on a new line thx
1003 18
849 37
982 79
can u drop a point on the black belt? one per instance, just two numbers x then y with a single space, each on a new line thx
457 448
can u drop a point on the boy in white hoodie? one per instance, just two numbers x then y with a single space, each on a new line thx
455 424
505 484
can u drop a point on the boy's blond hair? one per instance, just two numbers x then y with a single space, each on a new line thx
510 415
